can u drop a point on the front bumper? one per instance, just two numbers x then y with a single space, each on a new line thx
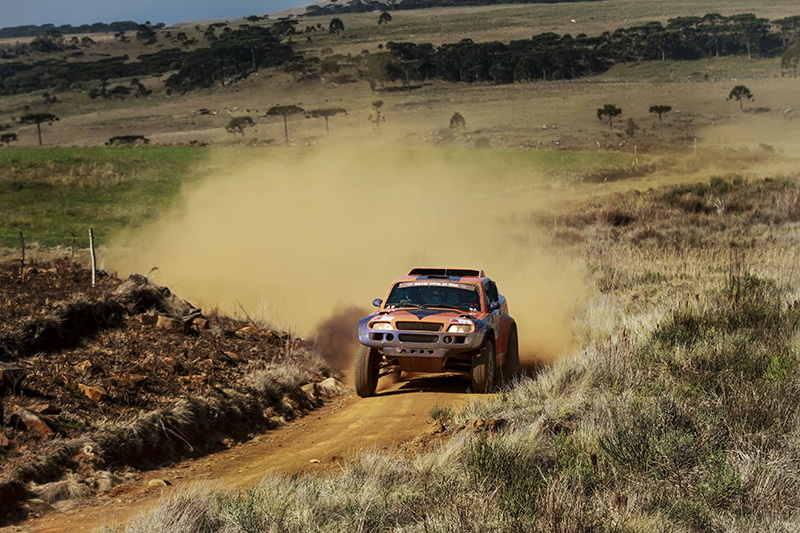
423 344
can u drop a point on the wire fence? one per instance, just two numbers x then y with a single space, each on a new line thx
48 239
72 241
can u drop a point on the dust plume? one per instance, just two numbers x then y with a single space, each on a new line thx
297 233
336 336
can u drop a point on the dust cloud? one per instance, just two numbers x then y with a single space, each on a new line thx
298 234
336 336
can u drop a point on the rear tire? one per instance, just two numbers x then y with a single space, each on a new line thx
366 371
483 369
512 366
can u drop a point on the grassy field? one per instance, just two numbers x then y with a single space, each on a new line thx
722 69
508 115
508 22
51 193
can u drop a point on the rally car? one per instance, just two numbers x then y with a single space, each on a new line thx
438 320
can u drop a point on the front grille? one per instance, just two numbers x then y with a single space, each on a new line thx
419 326
416 337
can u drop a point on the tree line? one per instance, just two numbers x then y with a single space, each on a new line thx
365 6
549 56
233 55
33 30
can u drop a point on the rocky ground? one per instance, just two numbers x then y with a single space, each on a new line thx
101 382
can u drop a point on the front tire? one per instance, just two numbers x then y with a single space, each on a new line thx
366 371
483 369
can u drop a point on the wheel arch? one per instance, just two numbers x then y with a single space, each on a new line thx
507 324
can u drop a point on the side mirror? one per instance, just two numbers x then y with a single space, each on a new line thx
377 302
494 306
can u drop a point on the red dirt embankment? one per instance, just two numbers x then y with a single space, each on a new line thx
99 383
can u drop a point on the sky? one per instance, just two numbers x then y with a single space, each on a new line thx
76 12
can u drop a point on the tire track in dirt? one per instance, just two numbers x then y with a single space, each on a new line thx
331 434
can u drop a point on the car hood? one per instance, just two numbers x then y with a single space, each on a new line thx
446 316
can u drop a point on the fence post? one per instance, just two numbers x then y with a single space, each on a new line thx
636 154
94 257
74 243
22 247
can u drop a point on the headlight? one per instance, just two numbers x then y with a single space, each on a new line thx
458 328
381 326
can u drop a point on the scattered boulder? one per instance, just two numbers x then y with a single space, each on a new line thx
88 369
25 419
329 388
490 425
169 324
93 393
309 389
45 409
248 330
436 428
192 380
148 319
150 363
142 296
4 442
129 381
38 506
158 483
200 323
170 364
11 376
234 357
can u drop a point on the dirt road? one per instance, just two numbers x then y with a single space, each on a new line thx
330 435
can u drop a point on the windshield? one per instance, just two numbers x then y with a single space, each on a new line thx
461 296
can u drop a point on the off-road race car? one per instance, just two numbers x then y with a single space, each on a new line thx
438 320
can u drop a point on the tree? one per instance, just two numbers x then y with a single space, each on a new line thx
336 26
284 111
790 60
739 93
384 18
38 119
127 140
610 112
457 121
146 34
750 30
378 117
238 125
789 26
8 138
326 113
660 110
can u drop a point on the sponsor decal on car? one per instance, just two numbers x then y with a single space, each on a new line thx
460 320
465 286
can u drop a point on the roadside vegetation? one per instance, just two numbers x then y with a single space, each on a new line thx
678 412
